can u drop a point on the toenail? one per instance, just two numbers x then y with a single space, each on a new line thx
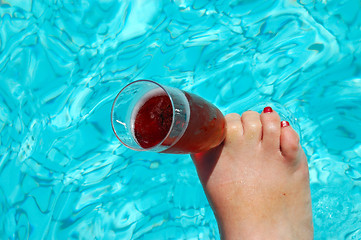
267 110
285 124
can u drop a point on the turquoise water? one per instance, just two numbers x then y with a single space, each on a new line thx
64 175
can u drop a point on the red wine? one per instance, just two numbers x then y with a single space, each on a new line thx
153 120
205 130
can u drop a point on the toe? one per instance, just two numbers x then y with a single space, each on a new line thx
271 129
252 126
234 128
290 142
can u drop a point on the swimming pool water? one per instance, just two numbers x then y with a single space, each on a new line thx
64 175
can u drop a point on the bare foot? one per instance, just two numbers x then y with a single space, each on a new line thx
257 181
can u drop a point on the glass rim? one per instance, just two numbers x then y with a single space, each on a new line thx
169 131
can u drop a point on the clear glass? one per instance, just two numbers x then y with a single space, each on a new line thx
196 126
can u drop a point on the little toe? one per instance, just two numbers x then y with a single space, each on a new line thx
290 142
271 129
234 128
252 126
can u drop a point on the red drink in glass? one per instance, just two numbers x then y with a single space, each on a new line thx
152 120
206 127
149 117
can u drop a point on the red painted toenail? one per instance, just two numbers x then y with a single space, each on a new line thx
285 124
267 110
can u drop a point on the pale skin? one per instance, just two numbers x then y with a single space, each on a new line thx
257 181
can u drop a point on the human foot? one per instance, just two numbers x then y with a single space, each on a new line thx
257 181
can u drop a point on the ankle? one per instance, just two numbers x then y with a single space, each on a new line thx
262 230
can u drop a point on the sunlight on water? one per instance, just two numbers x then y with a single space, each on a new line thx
64 175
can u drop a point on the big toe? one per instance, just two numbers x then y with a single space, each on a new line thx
290 142
271 129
